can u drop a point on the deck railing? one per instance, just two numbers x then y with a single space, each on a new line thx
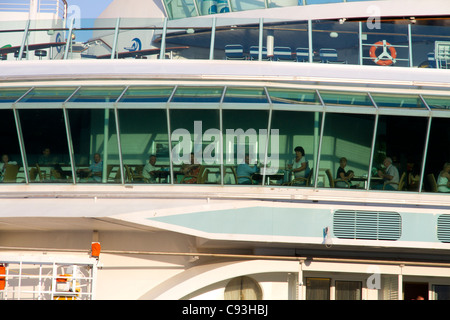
58 7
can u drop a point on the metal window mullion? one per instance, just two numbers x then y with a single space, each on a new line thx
169 134
119 143
70 144
21 143
310 41
410 46
360 43
269 123
69 39
222 167
162 52
316 177
261 38
116 37
424 159
374 138
24 39
213 39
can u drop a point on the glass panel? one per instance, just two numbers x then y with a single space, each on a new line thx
385 43
245 133
245 95
195 131
290 96
346 98
402 139
295 130
48 158
334 42
348 290
425 36
95 145
145 146
48 95
147 94
398 101
97 94
283 39
441 292
11 95
318 289
234 39
243 5
197 94
10 149
437 102
438 154
346 150
180 9
187 41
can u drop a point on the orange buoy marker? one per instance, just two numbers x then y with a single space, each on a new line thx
385 58
95 250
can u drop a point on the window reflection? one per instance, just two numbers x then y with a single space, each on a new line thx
48 158
145 146
95 146
345 156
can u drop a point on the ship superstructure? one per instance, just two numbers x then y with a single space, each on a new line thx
127 140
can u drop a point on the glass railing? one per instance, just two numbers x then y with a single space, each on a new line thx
194 8
423 44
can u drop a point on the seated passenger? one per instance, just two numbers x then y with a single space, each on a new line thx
244 171
343 175
300 166
95 170
443 181
149 169
5 161
390 176
191 170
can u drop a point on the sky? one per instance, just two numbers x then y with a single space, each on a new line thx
89 8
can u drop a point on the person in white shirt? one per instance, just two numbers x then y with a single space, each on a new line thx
149 169
390 176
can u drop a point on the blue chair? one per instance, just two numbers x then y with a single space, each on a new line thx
254 53
302 54
282 53
234 52
329 56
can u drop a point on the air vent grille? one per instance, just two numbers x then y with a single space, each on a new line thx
367 225
443 228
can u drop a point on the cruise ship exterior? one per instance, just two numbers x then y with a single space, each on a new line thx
193 150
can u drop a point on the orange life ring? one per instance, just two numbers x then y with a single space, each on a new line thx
385 58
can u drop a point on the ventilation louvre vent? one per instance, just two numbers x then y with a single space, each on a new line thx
443 228
367 225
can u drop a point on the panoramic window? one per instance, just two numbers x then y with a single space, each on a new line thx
243 288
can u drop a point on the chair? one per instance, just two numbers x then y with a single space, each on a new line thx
282 53
442 54
254 53
433 184
236 177
302 54
198 177
234 52
11 171
400 184
333 181
302 180
328 55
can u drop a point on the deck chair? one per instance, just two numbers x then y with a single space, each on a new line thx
234 52
254 53
302 54
442 54
11 172
328 55
236 177
198 177
332 181
282 53
400 184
